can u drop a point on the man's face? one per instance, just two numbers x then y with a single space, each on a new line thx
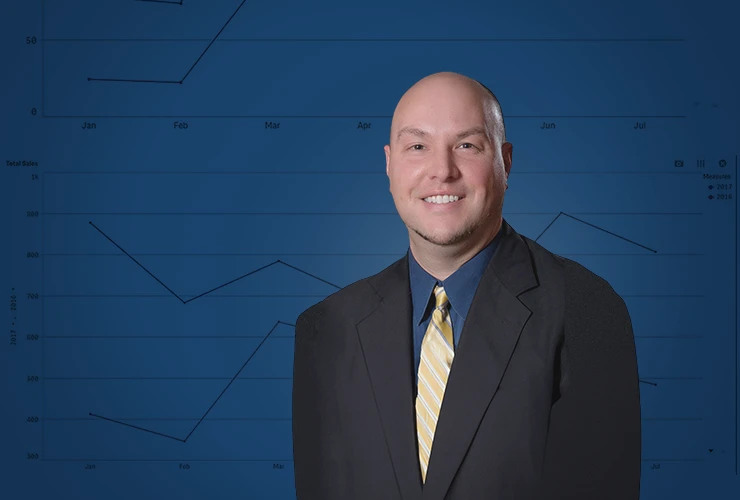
443 148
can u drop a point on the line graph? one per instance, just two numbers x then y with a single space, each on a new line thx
158 373
275 42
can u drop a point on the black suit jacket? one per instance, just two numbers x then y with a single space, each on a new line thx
542 400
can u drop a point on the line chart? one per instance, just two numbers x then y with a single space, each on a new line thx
172 385
240 51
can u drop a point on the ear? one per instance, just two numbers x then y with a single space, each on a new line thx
507 152
387 150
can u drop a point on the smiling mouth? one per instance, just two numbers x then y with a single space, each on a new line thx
442 200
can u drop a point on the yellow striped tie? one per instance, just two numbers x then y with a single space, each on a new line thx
437 351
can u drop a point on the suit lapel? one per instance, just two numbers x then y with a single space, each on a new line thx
386 339
492 327
490 334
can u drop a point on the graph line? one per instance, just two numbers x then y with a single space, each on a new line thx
184 440
191 67
278 261
594 226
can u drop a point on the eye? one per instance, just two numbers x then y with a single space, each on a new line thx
417 147
468 144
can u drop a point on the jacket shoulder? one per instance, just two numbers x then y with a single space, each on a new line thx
596 316
579 284
352 302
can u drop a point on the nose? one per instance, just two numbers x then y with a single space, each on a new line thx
442 166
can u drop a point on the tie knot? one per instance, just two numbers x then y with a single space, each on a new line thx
441 299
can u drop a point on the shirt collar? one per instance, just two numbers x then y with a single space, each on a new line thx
460 286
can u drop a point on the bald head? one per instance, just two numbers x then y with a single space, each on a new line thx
447 139
438 85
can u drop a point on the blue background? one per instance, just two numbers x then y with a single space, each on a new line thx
173 260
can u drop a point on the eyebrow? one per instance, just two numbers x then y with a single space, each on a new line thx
411 130
477 130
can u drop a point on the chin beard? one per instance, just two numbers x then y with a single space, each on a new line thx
448 240
457 237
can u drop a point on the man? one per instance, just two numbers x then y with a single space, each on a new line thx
478 366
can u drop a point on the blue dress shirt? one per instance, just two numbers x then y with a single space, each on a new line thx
460 287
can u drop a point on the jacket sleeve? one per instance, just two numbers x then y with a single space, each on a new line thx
317 463
594 438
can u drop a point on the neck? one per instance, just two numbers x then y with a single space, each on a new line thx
441 261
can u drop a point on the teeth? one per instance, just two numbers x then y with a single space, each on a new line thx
441 199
